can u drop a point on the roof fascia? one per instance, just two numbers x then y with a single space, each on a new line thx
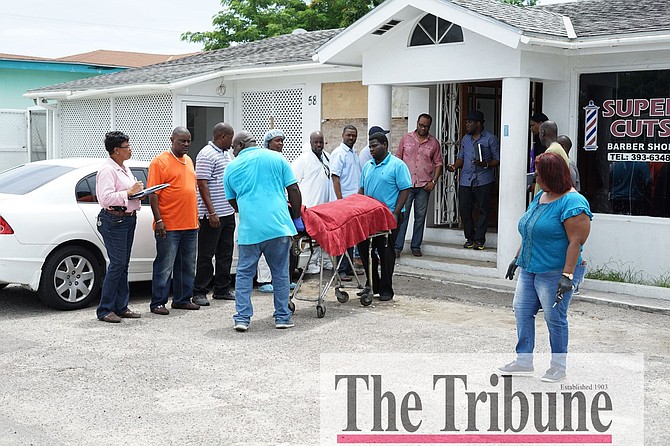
493 29
592 43
233 73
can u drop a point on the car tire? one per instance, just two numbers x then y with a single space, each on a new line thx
71 278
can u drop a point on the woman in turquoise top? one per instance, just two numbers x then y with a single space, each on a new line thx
553 231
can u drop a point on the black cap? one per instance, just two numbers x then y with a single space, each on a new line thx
475 115
539 117
376 129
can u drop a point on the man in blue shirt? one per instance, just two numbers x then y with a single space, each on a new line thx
255 182
479 154
387 179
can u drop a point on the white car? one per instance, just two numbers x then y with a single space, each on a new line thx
49 242
48 237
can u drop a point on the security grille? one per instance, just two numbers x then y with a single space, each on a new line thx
13 126
83 124
447 133
278 109
147 120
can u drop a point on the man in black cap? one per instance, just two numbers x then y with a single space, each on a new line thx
479 154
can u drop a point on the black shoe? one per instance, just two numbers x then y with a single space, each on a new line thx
469 244
228 295
479 246
186 306
385 297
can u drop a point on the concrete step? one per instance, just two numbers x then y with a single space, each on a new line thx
449 251
437 264
454 236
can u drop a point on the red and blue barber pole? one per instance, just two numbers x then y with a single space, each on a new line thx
591 127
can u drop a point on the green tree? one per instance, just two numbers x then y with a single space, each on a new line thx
249 20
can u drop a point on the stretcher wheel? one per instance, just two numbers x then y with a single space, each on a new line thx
291 306
320 311
342 296
366 299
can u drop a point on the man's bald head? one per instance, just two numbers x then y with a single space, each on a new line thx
242 140
548 132
316 142
222 135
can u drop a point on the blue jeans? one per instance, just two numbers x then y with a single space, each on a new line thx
118 233
419 196
276 253
175 256
535 291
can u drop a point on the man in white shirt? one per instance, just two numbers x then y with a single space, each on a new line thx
345 170
312 170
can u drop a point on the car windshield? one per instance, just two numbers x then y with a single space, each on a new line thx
28 177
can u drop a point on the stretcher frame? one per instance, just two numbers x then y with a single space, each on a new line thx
342 296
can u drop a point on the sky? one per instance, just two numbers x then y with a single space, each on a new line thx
60 28
48 28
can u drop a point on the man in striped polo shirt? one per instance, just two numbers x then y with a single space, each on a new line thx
217 219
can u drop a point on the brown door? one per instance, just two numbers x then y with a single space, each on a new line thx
485 97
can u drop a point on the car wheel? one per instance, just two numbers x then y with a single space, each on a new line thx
71 278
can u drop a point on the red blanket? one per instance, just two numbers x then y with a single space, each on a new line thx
341 224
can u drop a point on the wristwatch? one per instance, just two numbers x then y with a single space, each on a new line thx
569 275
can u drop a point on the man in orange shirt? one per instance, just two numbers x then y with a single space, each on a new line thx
175 212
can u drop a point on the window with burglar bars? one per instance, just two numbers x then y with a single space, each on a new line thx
147 120
278 109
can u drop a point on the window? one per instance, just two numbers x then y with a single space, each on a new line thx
26 178
624 157
432 30
85 190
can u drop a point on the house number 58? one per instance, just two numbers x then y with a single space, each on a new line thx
311 100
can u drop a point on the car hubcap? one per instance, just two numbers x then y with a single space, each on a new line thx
74 278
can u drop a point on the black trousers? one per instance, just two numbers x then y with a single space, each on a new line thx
382 285
214 243
468 198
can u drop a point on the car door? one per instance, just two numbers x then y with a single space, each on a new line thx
144 247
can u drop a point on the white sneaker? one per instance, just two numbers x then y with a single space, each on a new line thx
283 325
241 326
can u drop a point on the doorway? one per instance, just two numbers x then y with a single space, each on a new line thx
200 120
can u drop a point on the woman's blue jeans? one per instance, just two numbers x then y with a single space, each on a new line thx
175 256
276 253
118 233
535 291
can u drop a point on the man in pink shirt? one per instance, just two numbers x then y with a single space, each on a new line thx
422 154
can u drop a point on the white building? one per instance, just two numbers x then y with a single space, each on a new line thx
450 56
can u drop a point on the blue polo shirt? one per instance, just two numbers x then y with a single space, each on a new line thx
258 179
385 180
471 174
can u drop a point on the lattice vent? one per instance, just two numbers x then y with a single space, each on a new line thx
280 109
13 126
83 124
148 122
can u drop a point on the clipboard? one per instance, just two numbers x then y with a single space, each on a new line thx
149 190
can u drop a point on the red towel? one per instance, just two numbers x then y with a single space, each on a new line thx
341 224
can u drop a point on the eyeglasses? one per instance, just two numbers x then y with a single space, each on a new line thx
125 147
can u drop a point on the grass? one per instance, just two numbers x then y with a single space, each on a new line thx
624 273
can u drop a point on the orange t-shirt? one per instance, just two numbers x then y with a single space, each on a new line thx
178 203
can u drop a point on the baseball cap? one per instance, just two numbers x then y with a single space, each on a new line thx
376 129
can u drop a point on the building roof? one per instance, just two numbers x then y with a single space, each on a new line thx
610 18
289 49
121 58
22 57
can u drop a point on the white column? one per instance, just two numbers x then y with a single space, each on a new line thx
513 159
379 107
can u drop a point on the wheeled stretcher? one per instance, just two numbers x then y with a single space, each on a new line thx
334 227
